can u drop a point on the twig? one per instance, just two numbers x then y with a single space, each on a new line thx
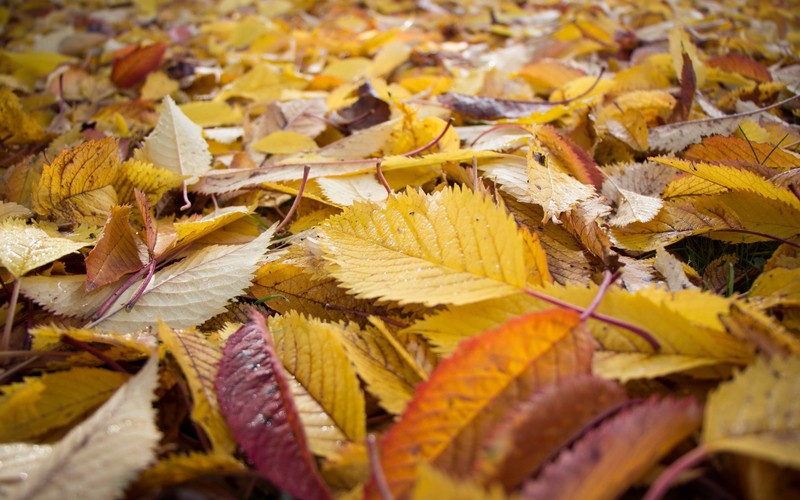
600 317
94 352
377 469
385 319
296 201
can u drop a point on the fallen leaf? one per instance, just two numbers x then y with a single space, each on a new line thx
757 413
25 247
444 422
612 457
255 398
100 456
117 253
136 64
409 233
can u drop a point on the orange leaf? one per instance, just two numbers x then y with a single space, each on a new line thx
609 459
571 156
135 65
743 65
739 151
532 434
117 252
475 388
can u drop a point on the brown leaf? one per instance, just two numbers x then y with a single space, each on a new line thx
135 65
118 252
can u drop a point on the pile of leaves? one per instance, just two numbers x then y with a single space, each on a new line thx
407 249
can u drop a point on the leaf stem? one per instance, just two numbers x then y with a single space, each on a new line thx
433 142
296 201
382 178
600 317
498 127
116 295
151 270
608 279
94 352
5 341
186 203
662 484
377 469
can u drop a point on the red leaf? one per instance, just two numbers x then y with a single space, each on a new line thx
255 398
134 66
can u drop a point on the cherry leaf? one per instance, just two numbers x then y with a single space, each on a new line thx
256 399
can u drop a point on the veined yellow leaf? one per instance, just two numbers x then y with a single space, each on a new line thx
177 144
686 325
78 185
37 405
735 179
311 351
97 458
454 246
760 214
198 359
150 179
388 375
758 412
25 247
776 287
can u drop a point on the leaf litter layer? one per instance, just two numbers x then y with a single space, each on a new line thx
399 249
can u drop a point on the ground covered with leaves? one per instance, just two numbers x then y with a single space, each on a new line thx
405 249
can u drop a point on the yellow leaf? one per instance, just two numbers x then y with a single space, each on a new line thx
453 246
177 144
158 85
198 358
311 351
37 405
36 63
78 185
212 113
686 325
388 375
758 412
689 185
285 142
735 179
15 123
151 180
25 247
192 230
432 483
776 287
